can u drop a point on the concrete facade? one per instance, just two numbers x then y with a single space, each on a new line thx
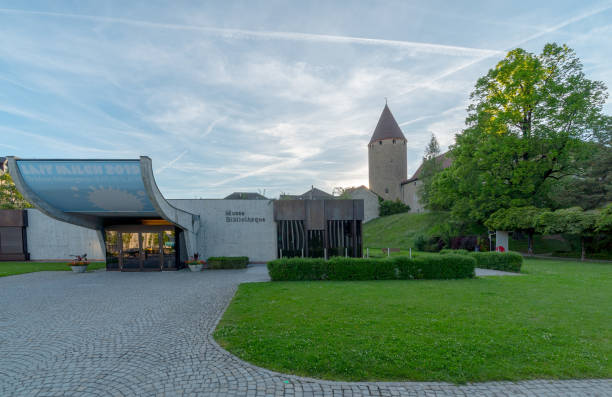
247 230
370 202
50 239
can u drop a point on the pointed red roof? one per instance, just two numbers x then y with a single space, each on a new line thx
387 127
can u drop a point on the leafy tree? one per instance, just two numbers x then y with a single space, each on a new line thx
522 219
571 221
526 127
592 186
604 223
432 164
389 207
10 198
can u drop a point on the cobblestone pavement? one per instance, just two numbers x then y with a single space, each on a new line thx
148 334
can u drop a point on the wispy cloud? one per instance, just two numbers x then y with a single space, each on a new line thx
272 35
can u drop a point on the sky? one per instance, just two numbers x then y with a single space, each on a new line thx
262 96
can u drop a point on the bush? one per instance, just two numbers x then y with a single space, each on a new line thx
420 242
341 268
298 269
228 262
400 267
454 251
506 261
388 207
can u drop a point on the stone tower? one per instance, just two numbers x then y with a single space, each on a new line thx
387 157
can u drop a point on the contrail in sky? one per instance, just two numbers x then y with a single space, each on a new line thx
272 35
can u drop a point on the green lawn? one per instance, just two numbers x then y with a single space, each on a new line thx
554 322
12 268
400 230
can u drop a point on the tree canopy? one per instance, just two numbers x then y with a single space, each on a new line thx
518 219
526 130
10 198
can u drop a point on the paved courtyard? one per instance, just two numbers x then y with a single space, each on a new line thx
148 334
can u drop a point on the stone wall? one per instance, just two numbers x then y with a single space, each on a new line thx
247 230
50 239
410 196
387 163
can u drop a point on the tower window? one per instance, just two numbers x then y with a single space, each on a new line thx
394 141
380 142
386 190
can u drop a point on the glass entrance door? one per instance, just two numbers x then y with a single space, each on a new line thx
133 248
151 254
130 252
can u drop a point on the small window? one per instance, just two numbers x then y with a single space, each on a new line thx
380 142
415 183
394 141
386 190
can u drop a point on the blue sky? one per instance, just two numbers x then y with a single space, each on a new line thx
250 96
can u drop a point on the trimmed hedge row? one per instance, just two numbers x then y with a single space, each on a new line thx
228 262
506 261
396 268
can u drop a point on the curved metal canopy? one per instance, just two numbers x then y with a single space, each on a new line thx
94 193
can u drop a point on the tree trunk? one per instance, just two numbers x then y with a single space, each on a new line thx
583 250
530 243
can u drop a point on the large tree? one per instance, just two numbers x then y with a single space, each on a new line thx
526 128
432 164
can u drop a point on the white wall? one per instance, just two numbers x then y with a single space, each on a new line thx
50 239
246 237
370 202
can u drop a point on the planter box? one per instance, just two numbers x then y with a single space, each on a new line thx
79 269
195 268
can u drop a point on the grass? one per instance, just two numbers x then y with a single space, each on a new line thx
13 268
554 323
400 230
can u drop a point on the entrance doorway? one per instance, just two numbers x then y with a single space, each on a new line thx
141 248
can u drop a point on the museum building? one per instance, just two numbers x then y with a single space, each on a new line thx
114 211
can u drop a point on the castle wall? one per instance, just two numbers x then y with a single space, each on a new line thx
388 166
410 196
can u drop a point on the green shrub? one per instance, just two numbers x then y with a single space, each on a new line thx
228 262
342 268
298 269
457 251
419 242
506 261
400 267
388 207
436 267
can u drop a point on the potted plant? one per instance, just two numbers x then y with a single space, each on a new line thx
195 264
79 263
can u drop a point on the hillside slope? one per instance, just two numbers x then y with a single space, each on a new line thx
400 230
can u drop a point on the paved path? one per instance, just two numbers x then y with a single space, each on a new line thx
491 272
148 334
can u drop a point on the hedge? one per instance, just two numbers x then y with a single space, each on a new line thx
228 262
506 261
400 267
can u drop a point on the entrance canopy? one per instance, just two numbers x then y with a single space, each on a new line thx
98 193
